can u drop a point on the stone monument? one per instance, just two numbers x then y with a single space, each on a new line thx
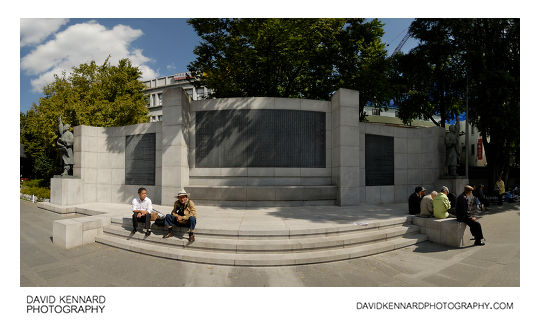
65 144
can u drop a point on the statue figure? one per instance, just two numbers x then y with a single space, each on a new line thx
452 149
65 143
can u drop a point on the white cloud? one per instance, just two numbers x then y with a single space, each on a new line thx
171 67
34 31
81 43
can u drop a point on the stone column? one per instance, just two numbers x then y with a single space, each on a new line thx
346 147
174 143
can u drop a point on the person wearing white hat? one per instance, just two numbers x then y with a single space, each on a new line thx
183 214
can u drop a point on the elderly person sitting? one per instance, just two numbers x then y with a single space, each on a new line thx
426 205
183 214
441 204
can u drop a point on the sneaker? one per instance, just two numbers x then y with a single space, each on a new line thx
191 237
479 243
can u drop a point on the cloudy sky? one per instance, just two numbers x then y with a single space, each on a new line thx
157 46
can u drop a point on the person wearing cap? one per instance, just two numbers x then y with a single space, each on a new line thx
415 198
141 206
441 204
465 216
426 205
183 214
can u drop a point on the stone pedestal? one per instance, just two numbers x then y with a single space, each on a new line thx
66 190
456 184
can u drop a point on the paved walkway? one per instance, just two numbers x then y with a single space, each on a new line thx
425 264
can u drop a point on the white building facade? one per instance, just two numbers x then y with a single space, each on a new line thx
155 87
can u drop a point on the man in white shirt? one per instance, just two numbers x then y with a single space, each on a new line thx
141 207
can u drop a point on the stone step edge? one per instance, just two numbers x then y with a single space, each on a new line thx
271 259
265 245
281 232
266 203
300 186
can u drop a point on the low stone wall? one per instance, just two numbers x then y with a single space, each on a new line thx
71 233
447 231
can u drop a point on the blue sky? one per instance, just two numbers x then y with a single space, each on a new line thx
159 46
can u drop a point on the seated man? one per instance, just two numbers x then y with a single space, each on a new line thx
414 200
141 207
426 205
183 213
463 215
441 204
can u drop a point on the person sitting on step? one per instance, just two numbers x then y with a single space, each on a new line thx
441 204
465 216
183 214
426 205
141 207
415 198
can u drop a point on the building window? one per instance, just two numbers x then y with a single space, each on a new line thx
153 100
159 118
190 92
200 93
160 99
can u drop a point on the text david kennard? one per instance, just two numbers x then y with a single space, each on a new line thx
65 304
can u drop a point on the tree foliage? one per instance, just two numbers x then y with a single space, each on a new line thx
297 58
94 95
490 52
430 79
453 55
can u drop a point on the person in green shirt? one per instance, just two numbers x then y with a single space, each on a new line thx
441 204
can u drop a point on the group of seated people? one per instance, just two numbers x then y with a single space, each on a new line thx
444 204
182 214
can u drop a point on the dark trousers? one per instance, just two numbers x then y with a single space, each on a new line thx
476 228
145 219
170 220
500 199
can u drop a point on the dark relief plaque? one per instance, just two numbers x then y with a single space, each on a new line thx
260 138
379 160
141 159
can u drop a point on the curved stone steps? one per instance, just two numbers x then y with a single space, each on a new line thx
274 232
259 259
242 245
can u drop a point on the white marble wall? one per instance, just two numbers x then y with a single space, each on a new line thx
100 162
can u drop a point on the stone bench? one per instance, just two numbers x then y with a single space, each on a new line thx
71 233
447 231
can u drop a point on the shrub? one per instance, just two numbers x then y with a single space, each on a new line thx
35 187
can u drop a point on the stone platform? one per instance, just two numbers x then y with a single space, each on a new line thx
261 236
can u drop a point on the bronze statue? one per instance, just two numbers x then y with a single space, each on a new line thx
452 149
65 143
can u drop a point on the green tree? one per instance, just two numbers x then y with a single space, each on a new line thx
454 54
490 52
430 80
94 95
297 58
363 65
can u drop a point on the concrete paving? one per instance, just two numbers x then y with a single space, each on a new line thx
423 264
